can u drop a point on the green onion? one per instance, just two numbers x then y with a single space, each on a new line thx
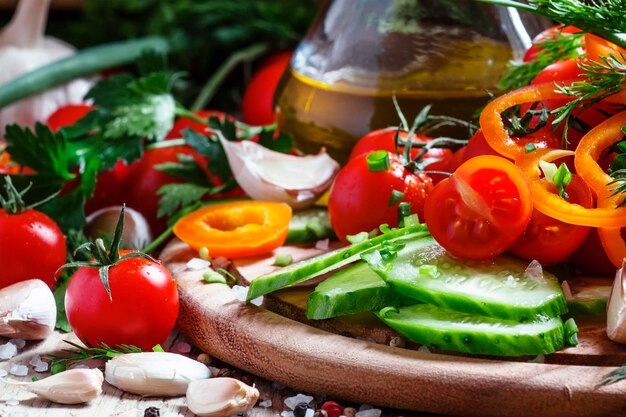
378 161
358 238
385 311
561 179
395 197
86 62
404 211
530 147
157 348
283 259
212 276
204 253
571 332
411 220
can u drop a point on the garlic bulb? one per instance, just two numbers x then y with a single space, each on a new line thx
27 310
154 373
616 308
74 386
220 397
273 176
101 224
23 48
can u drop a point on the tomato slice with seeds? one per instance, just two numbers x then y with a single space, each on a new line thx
481 209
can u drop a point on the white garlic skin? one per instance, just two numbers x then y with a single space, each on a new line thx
161 374
74 386
102 223
220 397
616 308
27 310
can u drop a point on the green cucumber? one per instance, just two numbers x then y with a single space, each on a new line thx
467 333
355 289
313 267
589 295
423 270
309 225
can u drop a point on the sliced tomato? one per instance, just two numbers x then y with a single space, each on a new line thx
236 229
481 210
548 240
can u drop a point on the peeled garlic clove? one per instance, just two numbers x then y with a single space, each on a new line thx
101 224
74 386
218 397
27 310
273 176
154 373
616 308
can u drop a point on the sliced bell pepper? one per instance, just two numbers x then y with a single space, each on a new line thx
236 229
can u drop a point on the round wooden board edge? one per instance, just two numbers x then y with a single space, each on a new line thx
317 362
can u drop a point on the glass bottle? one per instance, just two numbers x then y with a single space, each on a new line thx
360 53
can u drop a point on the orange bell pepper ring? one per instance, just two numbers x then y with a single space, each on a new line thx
236 229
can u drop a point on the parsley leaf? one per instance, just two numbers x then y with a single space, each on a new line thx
210 148
177 196
187 169
283 142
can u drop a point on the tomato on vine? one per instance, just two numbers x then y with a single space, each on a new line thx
31 243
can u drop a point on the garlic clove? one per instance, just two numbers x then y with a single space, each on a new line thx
616 308
273 176
102 223
74 386
220 397
27 310
154 373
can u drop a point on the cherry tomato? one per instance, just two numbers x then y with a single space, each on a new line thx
541 139
481 209
549 240
144 180
590 258
68 115
141 312
360 200
560 72
531 53
257 108
31 246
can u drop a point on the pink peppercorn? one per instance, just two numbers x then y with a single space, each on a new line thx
332 409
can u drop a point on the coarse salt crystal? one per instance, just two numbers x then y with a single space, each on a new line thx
12 402
372 412
265 403
7 351
41 367
19 343
18 369
196 264
309 412
241 293
286 414
424 349
3 373
291 402
322 244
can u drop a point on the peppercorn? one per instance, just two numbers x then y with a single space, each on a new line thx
349 412
151 412
332 409
300 409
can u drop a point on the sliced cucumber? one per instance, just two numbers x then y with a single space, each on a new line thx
422 269
355 289
327 262
467 333
309 225
589 295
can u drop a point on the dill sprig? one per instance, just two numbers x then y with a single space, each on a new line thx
604 18
603 79
614 376
59 363
557 46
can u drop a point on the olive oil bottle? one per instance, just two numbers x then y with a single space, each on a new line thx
359 54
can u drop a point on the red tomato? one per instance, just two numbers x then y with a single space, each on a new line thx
531 53
542 139
481 209
31 246
560 72
257 108
68 115
359 198
549 240
143 309
590 258
144 180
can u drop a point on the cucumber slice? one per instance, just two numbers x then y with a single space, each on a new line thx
309 225
424 270
589 295
313 267
467 333
355 289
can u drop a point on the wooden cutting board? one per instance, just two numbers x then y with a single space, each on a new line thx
320 362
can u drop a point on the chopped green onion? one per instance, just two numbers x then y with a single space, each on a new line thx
157 348
395 197
561 179
378 161
358 238
429 270
571 332
204 253
211 277
404 211
411 220
283 259
55 368
530 147
385 311
317 228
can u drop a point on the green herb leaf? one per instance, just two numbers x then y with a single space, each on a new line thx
187 169
210 148
282 143
561 179
62 324
395 197
176 196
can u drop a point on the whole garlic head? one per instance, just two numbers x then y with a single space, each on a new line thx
23 48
